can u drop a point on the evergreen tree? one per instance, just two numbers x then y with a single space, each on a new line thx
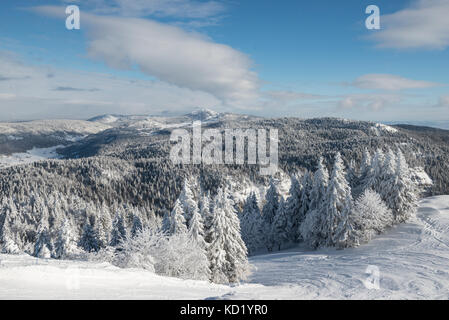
310 230
280 225
338 204
387 179
43 247
269 212
227 252
8 244
174 221
319 185
251 224
65 245
371 216
137 223
206 214
405 193
89 239
196 229
294 214
118 233
187 200
372 179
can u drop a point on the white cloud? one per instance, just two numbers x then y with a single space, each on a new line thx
30 93
390 82
172 55
372 102
424 25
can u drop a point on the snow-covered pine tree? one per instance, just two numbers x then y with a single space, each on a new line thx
352 174
197 237
269 212
310 229
387 179
206 214
187 200
372 178
227 252
104 225
8 244
136 223
371 216
174 221
279 228
405 193
293 212
118 233
66 245
337 205
345 236
89 239
196 229
43 247
251 224
319 185
364 172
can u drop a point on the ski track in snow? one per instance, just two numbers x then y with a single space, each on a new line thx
413 260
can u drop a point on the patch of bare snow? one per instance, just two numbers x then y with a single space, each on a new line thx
33 155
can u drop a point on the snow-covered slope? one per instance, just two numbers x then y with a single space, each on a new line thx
412 260
51 126
35 154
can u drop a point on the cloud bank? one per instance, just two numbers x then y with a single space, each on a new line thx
185 59
390 82
424 25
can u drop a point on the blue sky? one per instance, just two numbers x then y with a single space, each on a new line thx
266 57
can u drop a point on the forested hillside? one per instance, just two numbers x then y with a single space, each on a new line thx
115 183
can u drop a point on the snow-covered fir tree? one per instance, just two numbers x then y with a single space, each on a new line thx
187 200
196 229
336 225
206 214
89 240
269 212
174 221
311 229
118 233
66 245
251 224
372 179
136 223
227 252
371 216
43 246
279 227
8 245
295 216
405 193
319 185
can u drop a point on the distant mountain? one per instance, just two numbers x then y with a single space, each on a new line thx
16 137
203 115
440 124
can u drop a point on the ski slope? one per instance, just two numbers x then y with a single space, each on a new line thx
412 260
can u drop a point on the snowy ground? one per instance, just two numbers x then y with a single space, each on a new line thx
35 154
412 259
